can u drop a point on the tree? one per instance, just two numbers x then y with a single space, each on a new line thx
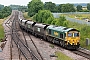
61 21
59 7
1 7
67 8
44 16
1 15
6 11
49 20
22 8
34 6
79 7
14 7
54 21
88 6
50 6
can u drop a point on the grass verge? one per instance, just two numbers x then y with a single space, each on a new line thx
79 16
2 29
62 56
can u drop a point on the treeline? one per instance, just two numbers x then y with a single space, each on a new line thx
62 8
4 11
18 7
1 7
35 5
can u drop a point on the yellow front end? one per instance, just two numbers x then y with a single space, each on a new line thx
73 39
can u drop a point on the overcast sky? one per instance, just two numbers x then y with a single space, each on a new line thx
25 2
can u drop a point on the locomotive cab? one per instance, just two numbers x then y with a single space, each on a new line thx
72 38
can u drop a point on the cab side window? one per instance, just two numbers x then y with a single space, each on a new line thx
61 35
49 31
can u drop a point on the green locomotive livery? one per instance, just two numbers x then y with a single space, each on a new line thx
66 37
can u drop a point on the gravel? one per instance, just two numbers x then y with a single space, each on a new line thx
46 50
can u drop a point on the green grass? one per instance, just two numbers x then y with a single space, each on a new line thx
62 56
78 16
1 32
52 46
1 29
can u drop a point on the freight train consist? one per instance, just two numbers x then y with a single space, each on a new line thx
63 36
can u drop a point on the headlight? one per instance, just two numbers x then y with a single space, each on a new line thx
68 40
77 40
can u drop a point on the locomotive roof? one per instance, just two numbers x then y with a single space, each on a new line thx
60 28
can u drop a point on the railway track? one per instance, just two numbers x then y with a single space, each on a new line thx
28 41
8 24
12 23
83 52
22 44
23 48
30 44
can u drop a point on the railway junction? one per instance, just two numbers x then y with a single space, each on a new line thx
20 45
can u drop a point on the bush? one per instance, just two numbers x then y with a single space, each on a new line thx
44 16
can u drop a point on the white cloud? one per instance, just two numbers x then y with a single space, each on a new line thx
16 2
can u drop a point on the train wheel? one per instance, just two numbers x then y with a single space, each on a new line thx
35 35
63 44
53 41
45 38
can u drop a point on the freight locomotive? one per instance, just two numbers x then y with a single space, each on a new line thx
63 36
